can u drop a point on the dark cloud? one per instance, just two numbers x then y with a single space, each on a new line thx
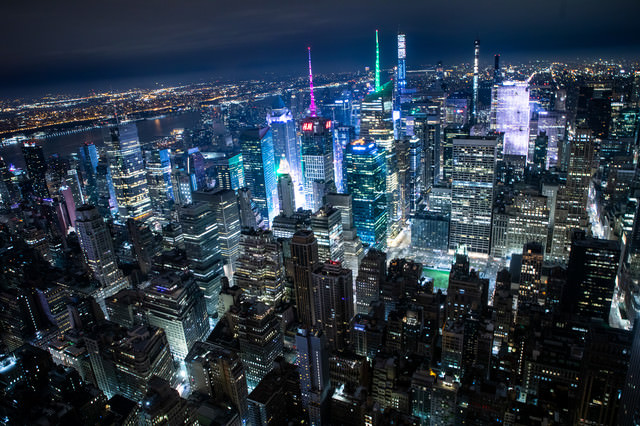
72 42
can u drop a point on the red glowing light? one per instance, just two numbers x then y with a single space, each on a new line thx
327 125
307 127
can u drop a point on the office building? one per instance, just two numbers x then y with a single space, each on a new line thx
326 225
175 304
260 170
369 281
200 230
474 161
313 366
259 268
127 172
510 115
365 172
36 168
304 256
317 160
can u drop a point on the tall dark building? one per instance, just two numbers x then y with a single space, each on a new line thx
304 254
591 276
36 168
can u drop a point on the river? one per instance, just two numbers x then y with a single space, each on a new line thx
148 130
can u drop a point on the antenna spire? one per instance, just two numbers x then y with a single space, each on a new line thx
377 82
312 106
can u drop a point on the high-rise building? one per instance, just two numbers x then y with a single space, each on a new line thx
371 276
510 115
531 290
224 205
326 225
571 203
474 160
304 256
285 141
163 404
219 373
36 168
260 270
230 172
200 230
317 160
333 302
467 294
353 250
158 166
365 172
175 304
630 399
97 249
260 170
127 172
591 276
313 365
286 194
124 361
260 339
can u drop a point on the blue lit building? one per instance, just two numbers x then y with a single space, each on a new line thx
260 169
285 141
365 170
343 136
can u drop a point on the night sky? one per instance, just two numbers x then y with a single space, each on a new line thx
48 44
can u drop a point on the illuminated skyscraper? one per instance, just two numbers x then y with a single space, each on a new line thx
474 161
175 304
402 62
230 172
285 142
286 194
97 249
200 230
326 225
571 204
317 160
127 172
158 166
224 205
377 85
510 115
353 250
259 338
531 290
365 172
260 271
36 168
260 170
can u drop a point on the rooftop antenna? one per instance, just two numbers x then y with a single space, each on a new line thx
377 81
312 106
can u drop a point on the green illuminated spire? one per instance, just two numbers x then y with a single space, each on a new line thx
377 83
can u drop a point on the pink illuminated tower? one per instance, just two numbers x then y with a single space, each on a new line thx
312 106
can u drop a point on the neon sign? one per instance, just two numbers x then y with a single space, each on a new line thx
327 125
307 127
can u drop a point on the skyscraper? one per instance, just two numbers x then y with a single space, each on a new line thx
127 172
333 302
313 365
510 115
285 142
259 337
36 168
199 226
353 250
304 255
97 249
474 160
371 276
365 171
591 276
224 205
286 195
326 225
175 304
317 160
260 170
158 166
260 271
531 290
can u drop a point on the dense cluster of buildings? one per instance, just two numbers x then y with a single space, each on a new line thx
251 275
